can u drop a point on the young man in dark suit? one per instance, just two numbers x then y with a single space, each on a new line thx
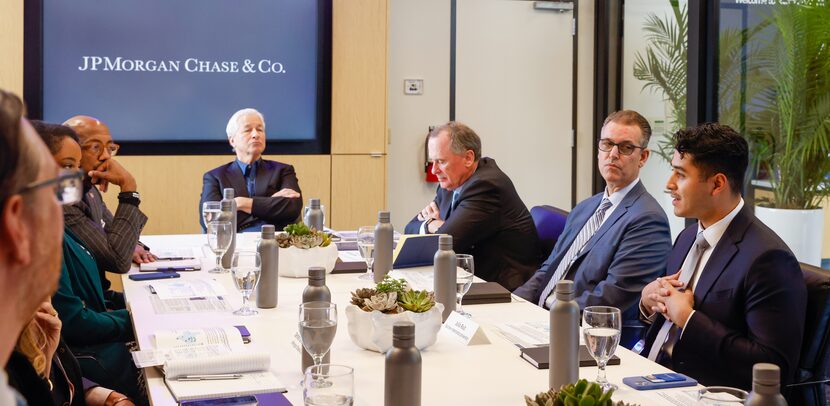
478 205
735 294
266 192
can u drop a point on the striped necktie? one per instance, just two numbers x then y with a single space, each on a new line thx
584 235
669 333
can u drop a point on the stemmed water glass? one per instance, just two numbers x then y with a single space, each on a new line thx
245 266
219 235
601 326
464 278
317 325
211 212
366 247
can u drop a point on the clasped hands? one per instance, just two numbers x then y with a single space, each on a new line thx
666 296
431 212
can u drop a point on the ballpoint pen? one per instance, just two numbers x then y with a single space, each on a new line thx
214 377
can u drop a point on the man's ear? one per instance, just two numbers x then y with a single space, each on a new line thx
15 231
469 158
720 184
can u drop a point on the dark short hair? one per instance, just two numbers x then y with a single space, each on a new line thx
715 148
53 134
462 138
18 165
631 117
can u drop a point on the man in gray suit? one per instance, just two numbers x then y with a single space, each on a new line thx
615 242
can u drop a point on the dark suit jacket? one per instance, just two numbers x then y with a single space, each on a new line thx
492 223
271 176
627 252
110 238
749 306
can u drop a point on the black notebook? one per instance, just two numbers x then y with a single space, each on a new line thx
487 292
538 357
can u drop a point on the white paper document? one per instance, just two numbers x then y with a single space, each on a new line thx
526 334
192 305
179 253
192 264
187 288
419 279
190 344
350 256
690 398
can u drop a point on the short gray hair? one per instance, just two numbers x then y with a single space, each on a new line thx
233 123
462 138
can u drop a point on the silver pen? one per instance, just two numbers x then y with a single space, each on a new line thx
215 377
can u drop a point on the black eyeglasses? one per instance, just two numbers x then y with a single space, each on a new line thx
625 148
68 186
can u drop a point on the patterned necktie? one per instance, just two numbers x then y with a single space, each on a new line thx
453 202
669 333
584 235
249 179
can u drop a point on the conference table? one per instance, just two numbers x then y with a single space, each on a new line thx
453 373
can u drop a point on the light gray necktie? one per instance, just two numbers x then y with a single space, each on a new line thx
669 329
584 235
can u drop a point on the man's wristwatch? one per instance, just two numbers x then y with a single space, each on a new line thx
426 225
129 197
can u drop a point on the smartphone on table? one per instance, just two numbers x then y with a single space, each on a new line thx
153 276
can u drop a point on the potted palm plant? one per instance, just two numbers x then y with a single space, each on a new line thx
792 140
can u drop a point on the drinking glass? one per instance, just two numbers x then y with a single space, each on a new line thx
245 266
366 246
211 212
318 325
337 388
601 327
463 279
721 395
219 234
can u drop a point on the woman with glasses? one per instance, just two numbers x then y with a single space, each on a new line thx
96 333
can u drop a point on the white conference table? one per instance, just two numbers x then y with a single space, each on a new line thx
452 374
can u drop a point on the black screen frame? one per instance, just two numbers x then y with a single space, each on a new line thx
33 94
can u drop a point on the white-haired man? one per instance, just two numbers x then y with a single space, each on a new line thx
266 192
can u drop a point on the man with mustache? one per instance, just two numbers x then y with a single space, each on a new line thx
615 242
111 238
266 192
477 204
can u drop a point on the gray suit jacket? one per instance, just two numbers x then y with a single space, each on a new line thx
627 252
110 238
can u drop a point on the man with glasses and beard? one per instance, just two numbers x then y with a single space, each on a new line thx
32 191
112 238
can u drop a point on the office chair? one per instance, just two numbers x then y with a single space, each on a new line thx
550 222
811 373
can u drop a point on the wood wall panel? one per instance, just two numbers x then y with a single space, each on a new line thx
170 186
358 77
11 46
358 190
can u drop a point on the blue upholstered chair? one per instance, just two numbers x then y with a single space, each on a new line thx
550 221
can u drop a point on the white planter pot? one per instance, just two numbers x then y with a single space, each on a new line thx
373 330
802 230
294 262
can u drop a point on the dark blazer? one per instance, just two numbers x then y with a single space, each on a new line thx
626 253
749 306
492 223
271 177
110 238
35 389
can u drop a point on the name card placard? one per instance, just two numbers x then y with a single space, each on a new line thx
464 330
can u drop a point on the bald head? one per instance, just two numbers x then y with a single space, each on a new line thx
91 131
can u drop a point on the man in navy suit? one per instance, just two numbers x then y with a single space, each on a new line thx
266 192
615 242
744 298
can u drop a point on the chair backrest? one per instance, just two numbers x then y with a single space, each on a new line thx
550 221
815 348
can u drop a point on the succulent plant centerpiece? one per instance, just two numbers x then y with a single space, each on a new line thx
301 248
373 311
580 393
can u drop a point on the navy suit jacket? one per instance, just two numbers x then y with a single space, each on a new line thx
749 306
271 177
491 222
627 252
